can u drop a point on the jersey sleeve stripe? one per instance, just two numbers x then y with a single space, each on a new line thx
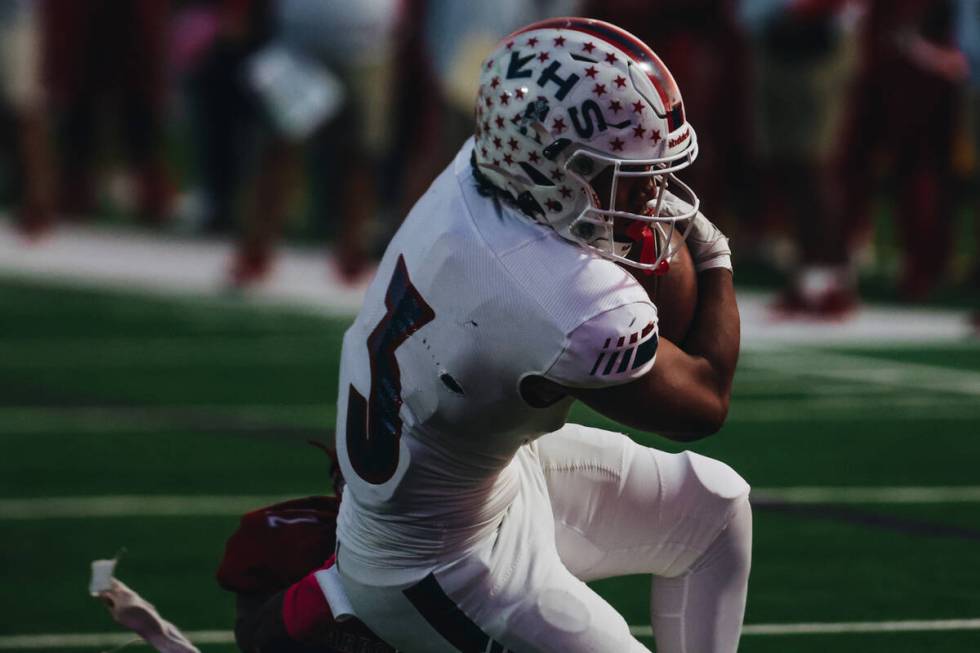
624 365
598 360
645 352
611 363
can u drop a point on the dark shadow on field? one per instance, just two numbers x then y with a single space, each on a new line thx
867 518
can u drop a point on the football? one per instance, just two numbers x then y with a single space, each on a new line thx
674 293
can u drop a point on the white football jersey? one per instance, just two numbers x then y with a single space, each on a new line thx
470 298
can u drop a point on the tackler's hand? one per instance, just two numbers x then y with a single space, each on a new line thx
708 246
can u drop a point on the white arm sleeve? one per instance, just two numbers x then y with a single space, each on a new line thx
614 347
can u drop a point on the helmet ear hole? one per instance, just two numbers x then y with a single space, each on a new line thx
529 205
582 165
584 230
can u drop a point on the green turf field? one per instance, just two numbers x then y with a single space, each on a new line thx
150 423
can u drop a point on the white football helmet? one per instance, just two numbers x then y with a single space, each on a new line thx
563 99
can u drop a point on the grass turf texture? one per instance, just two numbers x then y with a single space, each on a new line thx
115 394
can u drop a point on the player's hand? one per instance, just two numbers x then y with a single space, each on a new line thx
708 246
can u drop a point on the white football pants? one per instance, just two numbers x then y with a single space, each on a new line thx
593 504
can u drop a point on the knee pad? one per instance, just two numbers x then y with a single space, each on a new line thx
717 478
702 497
732 548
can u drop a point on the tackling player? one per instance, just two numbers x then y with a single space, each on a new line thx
474 513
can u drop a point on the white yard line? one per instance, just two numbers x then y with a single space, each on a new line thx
139 506
167 353
856 627
132 506
107 419
50 641
851 368
856 408
879 495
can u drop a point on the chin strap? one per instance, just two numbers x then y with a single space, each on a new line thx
641 234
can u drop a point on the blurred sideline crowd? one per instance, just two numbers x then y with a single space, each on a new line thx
233 117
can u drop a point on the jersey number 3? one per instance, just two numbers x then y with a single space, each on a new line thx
373 425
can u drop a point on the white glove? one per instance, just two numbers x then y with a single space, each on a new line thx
708 246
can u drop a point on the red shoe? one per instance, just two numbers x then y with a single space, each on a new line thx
818 292
353 268
34 225
249 269
834 304
156 196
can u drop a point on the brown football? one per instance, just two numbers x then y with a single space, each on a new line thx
675 293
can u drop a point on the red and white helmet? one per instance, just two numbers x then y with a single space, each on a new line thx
563 99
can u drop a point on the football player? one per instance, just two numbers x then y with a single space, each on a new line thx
474 513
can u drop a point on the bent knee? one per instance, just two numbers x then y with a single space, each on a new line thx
731 551
702 498
569 618
717 478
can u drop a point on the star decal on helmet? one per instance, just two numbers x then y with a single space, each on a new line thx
533 157
520 93
599 89
499 120
617 144
565 191
508 159
543 56
610 57
495 82
510 45
588 47
638 106
591 72
558 125
655 136
559 41
497 143
615 106
553 205
638 131
512 143
557 175
620 81
505 98
531 42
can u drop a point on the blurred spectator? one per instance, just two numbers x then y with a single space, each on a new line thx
324 57
106 58
903 105
21 96
802 65
439 60
701 44
968 40
212 41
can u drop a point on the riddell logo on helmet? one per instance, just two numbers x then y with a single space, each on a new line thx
680 139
